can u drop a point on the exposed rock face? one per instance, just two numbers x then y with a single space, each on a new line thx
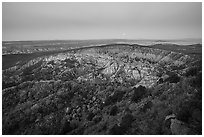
133 63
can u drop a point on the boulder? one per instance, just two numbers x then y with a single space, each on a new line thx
178 127
35 107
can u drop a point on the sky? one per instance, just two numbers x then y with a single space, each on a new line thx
137 20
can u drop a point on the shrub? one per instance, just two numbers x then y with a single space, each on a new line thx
192 71
116 130
174 78
10 126
70 63
9 84
173 67
183 113
97 119
114 110
127 121
139 93
116 97
90 116
185 109
29 70
196 81
148 105
124 125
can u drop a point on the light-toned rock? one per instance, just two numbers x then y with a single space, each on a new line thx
177 127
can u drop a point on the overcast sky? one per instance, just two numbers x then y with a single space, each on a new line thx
51 21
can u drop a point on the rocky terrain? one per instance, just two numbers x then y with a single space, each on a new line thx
109 89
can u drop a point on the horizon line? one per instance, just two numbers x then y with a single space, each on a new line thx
104 39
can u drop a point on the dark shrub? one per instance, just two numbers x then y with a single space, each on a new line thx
74 124
114 110
137 59
67 126
177 67
29 70
148 105
183 114
51 62
116 130
124 125
198 96
10 84
185 109
160 72
192 71
90 116
127 121
174 78
116 97
139 93
197 81
97 119
10 126
70 63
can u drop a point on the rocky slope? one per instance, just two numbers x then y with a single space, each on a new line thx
110 89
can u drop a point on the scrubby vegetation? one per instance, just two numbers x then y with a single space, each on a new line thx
103 91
